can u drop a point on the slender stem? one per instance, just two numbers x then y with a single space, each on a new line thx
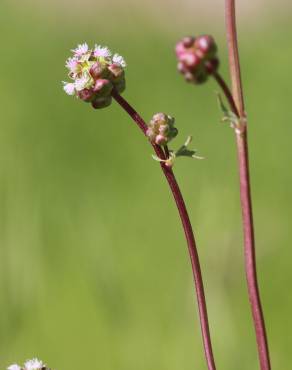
187 229
226 92
245 189
233 54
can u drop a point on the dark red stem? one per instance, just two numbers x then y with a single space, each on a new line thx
245 190
187 229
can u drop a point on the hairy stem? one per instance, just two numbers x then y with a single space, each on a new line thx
245 189
187 230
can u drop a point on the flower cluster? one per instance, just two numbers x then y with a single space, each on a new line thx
161 129
197 58
94 74
33 364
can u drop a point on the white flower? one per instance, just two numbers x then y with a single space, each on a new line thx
69 89
118 59
33 364
81 49
83 82
14 367
102 51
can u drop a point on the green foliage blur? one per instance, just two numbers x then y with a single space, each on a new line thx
94 270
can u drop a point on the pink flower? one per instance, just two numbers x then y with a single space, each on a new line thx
81 49
73 65
101 51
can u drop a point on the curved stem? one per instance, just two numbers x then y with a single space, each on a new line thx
187 229
245 190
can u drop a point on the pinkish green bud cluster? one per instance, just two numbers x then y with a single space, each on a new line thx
197 58
94 74
161 129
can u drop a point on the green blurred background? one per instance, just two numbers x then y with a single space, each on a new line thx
94 270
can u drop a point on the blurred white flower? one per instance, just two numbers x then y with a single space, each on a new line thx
69 89
14 367
33 364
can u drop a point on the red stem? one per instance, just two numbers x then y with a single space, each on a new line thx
187 229
245 190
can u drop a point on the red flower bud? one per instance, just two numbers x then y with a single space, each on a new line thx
116 70
96 70
188 41
99 103
205 46
86 95
190 60
212 65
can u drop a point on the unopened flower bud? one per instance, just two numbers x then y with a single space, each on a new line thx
116 71
102 87
86 95
96 70
160 140
206 45
184 44
120 86
212 65
99 103
161 129
188 41
201 78
190 61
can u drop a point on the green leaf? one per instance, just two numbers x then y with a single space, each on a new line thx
183 151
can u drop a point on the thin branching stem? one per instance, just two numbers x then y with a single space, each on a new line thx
187 229
245 189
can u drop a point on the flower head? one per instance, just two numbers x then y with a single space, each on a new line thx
197 58
95 73
33 364
161 129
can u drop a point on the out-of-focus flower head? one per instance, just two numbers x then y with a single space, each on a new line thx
197 58
161 129
33 364
94 73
